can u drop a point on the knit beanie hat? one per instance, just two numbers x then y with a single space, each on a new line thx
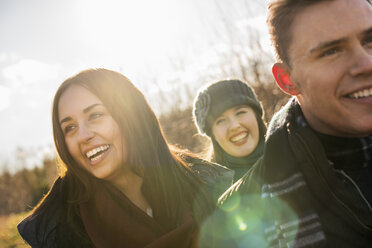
217 97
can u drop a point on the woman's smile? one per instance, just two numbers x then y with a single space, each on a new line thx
236 130
97 153
92 136
239 138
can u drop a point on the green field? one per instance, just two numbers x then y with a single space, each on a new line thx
9 237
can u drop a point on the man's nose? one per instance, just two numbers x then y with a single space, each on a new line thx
362 62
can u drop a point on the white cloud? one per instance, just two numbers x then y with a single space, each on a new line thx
5 94
3 57
28 71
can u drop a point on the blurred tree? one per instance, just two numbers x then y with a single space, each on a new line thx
238 53
22 190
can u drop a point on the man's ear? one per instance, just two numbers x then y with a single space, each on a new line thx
281 74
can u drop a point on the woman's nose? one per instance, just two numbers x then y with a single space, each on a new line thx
234 123
85 133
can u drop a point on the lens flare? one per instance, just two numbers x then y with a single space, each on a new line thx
249 221
242 226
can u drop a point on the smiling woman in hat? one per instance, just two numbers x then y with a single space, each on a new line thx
229 113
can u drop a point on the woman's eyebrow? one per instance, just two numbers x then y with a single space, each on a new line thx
87 109
239 107
65 120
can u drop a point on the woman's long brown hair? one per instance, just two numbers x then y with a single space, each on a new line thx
169 179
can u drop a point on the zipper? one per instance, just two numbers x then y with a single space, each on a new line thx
356 186
351 213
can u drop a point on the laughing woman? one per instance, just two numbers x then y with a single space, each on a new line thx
229 113
123 185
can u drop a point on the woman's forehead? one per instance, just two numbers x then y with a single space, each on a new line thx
76 99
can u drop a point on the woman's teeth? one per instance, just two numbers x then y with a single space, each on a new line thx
97 157
239 137
97 152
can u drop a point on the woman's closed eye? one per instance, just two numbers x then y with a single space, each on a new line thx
95 115
220 121
241 112
68 128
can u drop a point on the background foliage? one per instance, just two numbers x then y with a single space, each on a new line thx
243 58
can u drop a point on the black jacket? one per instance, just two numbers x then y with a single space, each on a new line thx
293 196
49 229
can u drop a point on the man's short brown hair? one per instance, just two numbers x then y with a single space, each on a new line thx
280 18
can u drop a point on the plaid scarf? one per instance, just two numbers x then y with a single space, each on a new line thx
348 153
354 157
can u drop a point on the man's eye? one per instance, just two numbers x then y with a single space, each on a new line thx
329 52
367 40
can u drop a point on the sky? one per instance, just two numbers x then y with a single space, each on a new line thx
45 41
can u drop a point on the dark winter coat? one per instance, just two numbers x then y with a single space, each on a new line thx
55 233
293 197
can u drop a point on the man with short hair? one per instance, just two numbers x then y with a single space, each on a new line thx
313 187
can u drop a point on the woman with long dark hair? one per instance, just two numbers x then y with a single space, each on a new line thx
229 113
123 185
